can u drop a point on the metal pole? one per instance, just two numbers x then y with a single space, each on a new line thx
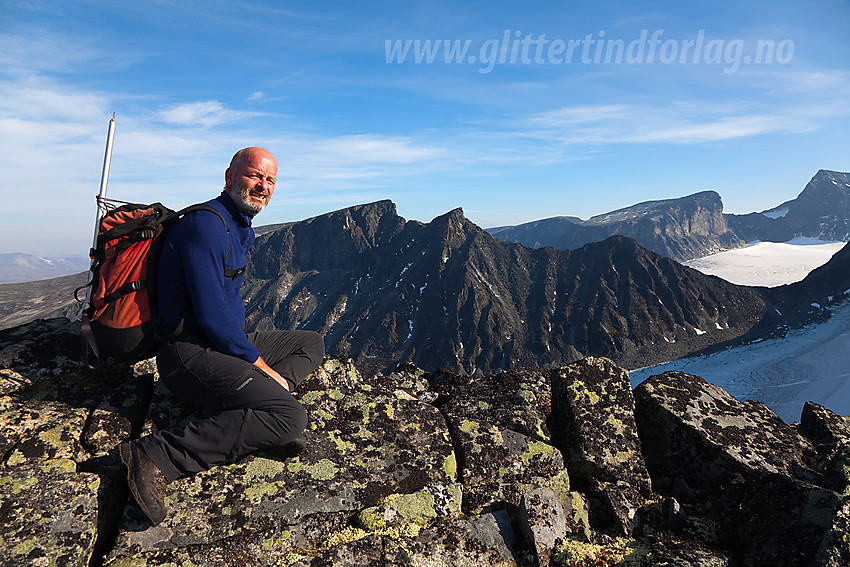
101 206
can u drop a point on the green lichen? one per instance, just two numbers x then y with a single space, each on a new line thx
295 466
341 445
336 395
419 506
616 424
257 492
538 448
309 397
580 515
25 547
263 468
527 395
63 465
16 458
390 411
450 466
323 470
623 456
371 519
561 484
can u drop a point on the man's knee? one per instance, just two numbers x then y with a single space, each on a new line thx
314 346
291 421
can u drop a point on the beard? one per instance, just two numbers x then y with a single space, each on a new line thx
242 198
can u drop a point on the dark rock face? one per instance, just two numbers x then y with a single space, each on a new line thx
520 468
681 229
446 294
822 211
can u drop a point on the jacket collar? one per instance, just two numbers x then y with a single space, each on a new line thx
226 200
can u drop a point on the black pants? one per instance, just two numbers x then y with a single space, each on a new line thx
255 412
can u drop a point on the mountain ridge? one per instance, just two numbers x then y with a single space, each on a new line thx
382 289
693 226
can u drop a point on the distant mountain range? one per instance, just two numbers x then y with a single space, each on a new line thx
446 294
695 226
15 268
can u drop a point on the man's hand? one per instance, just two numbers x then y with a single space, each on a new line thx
261 364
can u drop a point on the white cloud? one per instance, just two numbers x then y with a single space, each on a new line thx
203 113
674 123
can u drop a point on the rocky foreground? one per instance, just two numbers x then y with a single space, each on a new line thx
522 468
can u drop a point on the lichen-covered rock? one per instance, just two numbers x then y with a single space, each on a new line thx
593 411
499 426
690 553
495 531
421 507
417 468
499 465
543 522
36 430
519 400
48 514
783 521
822 426
695 430
364 444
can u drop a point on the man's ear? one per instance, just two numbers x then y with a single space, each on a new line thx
228 178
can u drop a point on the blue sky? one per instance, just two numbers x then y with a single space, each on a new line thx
554 108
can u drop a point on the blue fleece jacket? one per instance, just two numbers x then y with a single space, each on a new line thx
193 261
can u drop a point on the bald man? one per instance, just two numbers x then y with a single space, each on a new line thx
247 379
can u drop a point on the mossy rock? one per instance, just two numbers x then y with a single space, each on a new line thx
48 514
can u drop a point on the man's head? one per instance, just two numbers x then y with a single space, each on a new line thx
250 179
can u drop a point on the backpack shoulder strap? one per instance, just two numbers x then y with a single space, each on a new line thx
228 271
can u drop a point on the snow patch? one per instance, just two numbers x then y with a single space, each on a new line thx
776 213
768 264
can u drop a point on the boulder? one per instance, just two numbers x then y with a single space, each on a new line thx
696 431
543 522
759 483
593 412
784 521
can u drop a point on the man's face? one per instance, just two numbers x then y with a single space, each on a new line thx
250 181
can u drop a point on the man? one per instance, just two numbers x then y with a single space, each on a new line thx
213 363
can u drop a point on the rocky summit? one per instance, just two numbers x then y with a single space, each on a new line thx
552 467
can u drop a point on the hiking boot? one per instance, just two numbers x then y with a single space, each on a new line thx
146 481
291 449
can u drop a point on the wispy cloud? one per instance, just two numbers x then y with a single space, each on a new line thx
677 123
205 113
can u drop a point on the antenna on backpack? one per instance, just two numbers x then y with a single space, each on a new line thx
101 197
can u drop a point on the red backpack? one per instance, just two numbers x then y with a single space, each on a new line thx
121 318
